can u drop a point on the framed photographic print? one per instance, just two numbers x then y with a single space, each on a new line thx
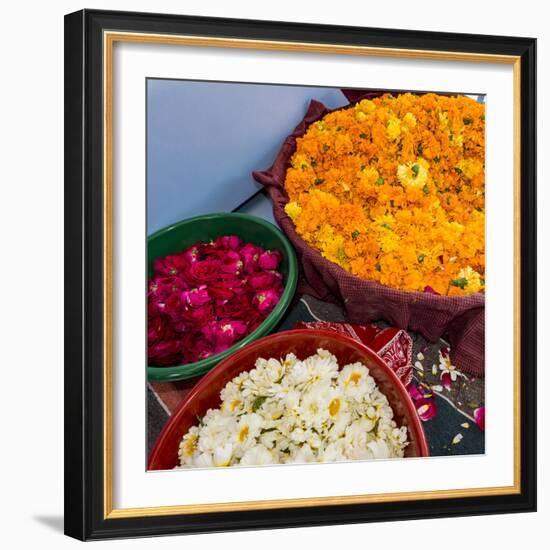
300 274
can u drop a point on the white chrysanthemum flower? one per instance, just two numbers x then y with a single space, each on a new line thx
257 455
291 400
203 460
302 454
297 411
314 409
266 372
355 381
232 398
333 452
271 438
215 431
188 445
379 448
247 430
221 457
338 429
316 368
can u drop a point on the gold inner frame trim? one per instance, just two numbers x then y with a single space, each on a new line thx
109 39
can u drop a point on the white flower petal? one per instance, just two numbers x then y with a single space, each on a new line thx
457 439
310 412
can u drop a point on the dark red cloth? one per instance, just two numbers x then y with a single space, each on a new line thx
460 318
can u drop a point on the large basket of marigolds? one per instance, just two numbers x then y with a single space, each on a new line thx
384 201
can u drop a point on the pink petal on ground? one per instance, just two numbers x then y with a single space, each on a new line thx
479 417
415 392
446 380
426 409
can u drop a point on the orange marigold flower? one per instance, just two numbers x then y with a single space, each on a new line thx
393 190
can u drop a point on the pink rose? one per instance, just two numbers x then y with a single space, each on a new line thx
164 353
170 265
196 296
250 254
264 280
196 347
220 292
203 271
159 329
191 254
266 300
224 331
232 263
209 296
270 259
229 241
238 307
173 307
196 316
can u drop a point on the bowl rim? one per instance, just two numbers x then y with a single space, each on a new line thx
190 370
422 443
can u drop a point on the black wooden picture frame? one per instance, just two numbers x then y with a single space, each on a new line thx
86 513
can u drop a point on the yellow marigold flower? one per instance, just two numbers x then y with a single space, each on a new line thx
412 174
394 128
470 279
300 162
458 140
365 106
470 167
367 179
385 221
293 209
410 120
443 120
389 241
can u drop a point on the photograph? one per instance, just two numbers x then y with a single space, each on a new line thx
300 274
316 274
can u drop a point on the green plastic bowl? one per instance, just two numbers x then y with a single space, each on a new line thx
251 229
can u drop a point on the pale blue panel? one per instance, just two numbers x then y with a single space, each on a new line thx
260 205
205 138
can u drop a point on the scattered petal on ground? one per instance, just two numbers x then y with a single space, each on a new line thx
457 439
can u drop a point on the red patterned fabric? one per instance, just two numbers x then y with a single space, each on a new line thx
393 345
461 318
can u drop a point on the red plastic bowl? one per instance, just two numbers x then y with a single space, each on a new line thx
305 342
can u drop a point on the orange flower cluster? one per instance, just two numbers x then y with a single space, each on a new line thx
393 190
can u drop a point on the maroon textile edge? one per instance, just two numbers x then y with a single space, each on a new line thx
461 318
